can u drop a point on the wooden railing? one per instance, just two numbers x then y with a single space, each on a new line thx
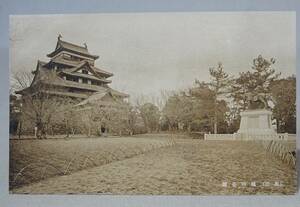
220 137
236 136
280 150
274 144
283 136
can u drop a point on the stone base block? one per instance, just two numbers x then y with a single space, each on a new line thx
256 122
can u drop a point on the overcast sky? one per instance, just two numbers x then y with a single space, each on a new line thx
148 52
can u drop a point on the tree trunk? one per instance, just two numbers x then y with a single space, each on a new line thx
39 130
44 136
43 131
20 129
67 129
216 118
52 131
89 131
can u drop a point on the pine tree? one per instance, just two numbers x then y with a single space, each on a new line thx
220 84
255 82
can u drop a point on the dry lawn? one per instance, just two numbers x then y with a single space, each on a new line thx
191 167
34 160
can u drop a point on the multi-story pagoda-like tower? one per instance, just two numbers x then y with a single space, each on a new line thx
71 72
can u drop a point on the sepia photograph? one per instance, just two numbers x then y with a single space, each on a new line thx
158 103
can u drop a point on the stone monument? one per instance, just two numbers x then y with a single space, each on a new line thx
256 120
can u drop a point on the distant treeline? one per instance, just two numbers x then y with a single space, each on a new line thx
210 107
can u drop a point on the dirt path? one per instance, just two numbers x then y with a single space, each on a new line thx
190 167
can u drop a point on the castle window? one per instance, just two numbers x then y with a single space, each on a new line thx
67 56
97 83
76 58
85 72
69 78
75 79
84 80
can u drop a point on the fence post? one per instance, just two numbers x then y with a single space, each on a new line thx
286 135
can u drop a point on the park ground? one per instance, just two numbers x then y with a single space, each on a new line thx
158 164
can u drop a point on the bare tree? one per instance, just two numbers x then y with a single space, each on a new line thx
118 117
20 80
38 105
150 115
66 120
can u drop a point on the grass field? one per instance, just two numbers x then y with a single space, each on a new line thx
149 164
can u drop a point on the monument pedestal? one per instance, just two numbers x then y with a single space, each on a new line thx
256 121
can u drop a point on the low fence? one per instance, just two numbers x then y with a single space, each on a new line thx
241 136
220 137
291 137
276 145
283 136
280 150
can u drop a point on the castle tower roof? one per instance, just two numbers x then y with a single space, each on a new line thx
72 48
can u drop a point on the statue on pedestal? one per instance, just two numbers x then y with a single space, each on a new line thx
257 118
258 101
